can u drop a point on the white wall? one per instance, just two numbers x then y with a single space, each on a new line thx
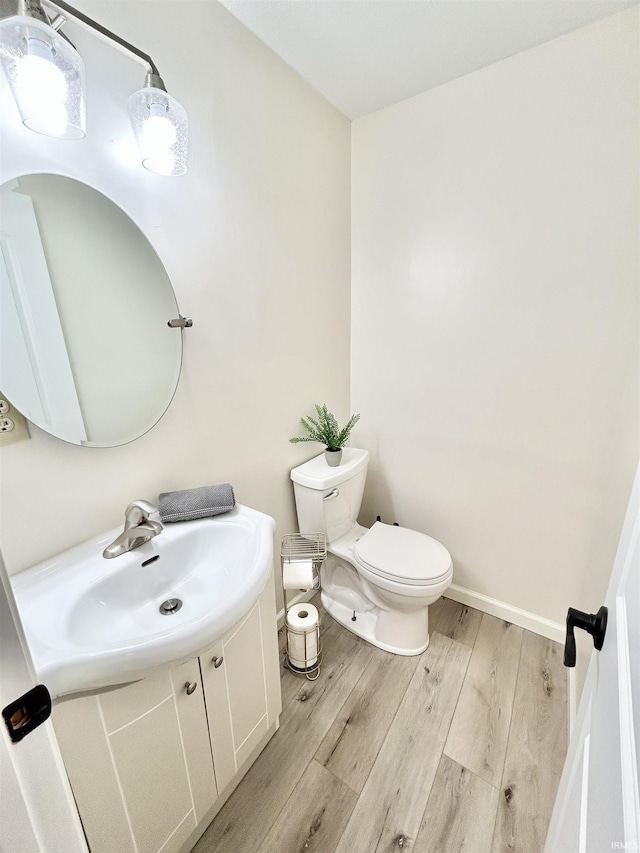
495 315
256 241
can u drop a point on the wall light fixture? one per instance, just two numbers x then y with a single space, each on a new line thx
47 80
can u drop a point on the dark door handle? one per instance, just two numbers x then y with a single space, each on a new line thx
593 623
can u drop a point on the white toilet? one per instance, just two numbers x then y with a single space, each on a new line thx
377 582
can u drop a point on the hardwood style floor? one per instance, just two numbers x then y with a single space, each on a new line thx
458 749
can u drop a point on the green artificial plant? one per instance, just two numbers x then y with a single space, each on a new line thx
325 429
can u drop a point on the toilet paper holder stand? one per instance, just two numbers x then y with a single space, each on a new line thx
302 547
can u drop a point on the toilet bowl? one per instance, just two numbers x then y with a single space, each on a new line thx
378 582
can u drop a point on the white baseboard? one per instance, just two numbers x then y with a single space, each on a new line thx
515 615
522 618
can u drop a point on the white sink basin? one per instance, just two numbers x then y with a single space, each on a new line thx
92 622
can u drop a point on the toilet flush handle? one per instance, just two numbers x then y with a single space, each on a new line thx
333 494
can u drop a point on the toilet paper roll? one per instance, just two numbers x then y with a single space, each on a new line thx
298 575
302 635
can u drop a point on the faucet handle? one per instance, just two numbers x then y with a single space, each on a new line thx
139 511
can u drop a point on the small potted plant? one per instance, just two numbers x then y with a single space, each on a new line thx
325 429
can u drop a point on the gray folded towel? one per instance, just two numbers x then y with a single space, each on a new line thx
202 502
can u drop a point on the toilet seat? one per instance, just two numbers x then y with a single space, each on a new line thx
402 555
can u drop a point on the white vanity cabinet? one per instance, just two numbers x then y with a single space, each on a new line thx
151 762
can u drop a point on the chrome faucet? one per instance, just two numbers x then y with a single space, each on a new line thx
138 529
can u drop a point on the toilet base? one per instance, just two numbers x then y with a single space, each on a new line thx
367 625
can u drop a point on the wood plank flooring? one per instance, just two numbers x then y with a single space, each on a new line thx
458 749
480 725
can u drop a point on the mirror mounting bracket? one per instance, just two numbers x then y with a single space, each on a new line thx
180 322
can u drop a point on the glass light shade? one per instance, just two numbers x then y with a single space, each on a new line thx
161 128
46 75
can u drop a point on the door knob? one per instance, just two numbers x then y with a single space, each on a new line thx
190 686
593 623
217 661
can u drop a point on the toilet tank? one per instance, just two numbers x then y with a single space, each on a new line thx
328 499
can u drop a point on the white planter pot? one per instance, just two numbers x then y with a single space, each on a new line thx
333 457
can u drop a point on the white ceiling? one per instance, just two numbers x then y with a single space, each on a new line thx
363 55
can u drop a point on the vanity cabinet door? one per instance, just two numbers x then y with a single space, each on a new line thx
241 681
139 761
195 736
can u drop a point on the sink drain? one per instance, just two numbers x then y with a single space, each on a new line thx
171 605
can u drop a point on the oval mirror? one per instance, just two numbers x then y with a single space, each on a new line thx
85 350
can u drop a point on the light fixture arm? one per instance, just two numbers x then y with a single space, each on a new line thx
28 8
68 10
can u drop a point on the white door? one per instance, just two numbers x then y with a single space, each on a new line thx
597 808
33 350
38 813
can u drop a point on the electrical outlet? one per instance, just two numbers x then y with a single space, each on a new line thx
13 426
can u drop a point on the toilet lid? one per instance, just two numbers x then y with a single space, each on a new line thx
403 555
